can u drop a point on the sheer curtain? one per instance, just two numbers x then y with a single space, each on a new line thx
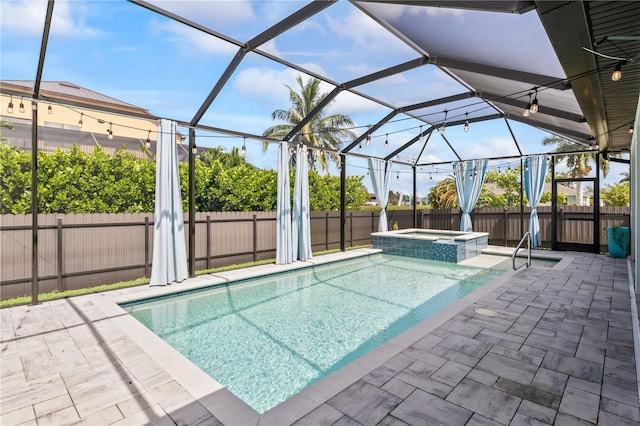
379 171
169 250
284 249
535 170
301 221
469 176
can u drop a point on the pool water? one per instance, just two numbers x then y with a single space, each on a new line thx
267 339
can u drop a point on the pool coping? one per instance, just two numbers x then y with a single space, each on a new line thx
231 410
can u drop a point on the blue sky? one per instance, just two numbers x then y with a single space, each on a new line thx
130 53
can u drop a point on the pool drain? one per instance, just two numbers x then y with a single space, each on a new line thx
487 312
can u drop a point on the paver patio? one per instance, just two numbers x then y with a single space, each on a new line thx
560 350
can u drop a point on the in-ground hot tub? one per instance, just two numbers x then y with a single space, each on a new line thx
447 246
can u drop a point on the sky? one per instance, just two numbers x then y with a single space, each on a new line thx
130 53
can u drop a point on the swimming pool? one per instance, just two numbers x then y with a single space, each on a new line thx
266 339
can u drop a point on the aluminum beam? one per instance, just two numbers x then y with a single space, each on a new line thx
370 130
542 109
580 138
439 101
290 21
411 142
505 73
322 104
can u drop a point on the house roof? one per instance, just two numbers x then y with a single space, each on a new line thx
71 93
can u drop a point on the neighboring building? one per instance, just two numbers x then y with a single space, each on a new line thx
570 193
71 114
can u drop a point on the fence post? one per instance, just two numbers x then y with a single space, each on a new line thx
60 262
255 238
351 228
208 241
326 231
506 227
560 225
146 246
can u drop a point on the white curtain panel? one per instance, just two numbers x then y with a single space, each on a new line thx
379 171
169 251
469 177
284 247
535 170
301 231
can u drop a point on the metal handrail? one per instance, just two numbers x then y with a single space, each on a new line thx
526 236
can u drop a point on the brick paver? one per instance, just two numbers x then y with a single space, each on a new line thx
558 351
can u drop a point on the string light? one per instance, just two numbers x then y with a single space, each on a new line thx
631 130
398 176
34 105
466 122
109 131
441 129
243 150
360 147
148 141
386 141
80 121
420 134
534 104
194 150
368 138
10 106
49 109
527 110
617 72
21 105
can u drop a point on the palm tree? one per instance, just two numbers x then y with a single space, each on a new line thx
578 164
444 194
322 131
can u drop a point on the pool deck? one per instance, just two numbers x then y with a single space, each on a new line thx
559 350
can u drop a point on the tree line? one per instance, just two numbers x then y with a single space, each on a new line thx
79 182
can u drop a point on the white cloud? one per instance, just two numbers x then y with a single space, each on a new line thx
266 85
216 14
270 47
27 17
349 103
192 42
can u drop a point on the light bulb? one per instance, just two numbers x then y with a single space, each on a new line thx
49 109
466 126
527 110
617 72
194 150
386 141
21 105
110 132
10 106
631 130
243 150
534 106
80 121
360 147
368 140
34 105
